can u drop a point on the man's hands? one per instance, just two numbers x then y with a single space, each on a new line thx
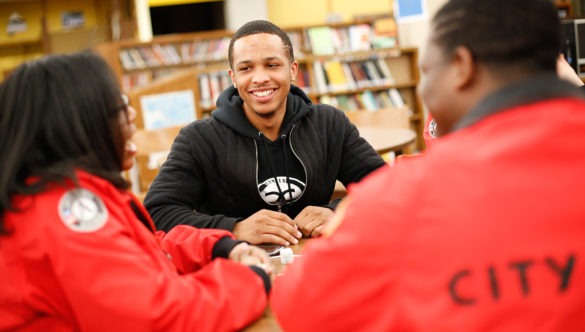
311 220
251 255
267 226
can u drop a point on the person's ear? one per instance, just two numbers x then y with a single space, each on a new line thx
294 69
465 67
233 77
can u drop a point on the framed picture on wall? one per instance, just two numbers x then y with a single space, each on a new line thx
410 10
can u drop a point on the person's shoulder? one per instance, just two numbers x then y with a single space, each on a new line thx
201 126
325 111
87 192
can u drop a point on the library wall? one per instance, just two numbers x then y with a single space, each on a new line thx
54 35
286 13
56 8
238 12
23 45
348 9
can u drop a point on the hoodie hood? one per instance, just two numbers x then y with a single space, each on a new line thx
231 112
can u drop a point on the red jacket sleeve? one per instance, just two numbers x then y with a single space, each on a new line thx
190 248
337 284
118 278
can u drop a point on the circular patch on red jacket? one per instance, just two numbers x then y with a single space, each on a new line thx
433 132
82 211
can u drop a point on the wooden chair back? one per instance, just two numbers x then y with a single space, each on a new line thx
153 147
386 118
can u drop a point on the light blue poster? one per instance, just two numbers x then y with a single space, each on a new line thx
410 10
168 109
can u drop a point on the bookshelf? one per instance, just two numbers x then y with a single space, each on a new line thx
369 81
564 8
355 66
359 66
139 63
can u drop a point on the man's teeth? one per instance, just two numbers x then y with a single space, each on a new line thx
262 93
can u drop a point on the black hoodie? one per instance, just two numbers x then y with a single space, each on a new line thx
211 177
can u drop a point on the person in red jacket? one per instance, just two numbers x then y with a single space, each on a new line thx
78 252
486 232
564 71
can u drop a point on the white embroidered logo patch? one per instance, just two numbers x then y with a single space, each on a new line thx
288 193
82 211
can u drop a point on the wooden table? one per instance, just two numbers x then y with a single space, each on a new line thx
385 140
267 323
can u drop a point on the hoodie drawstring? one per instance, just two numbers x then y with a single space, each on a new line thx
286 166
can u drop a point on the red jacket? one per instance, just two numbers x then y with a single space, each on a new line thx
111 273
486 233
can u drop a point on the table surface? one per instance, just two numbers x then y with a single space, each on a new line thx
267 323
385 140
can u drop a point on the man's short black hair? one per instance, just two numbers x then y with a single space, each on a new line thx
501 33
261 26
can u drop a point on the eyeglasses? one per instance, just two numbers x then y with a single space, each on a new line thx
125 103
124 106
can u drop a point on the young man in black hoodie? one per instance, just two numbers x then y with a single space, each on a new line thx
264 165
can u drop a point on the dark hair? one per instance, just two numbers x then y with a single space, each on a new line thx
503 33
260 26
58 114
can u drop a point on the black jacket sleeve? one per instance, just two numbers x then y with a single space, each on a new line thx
179 188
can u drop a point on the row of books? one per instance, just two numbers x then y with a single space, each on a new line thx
211 85
336 75
366 100
200 51
136 79
147 57
320 40
326 40
157 55
142 78
302 80
296 39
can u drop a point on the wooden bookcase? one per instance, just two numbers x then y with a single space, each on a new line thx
349 65
564 8
139 63
356 82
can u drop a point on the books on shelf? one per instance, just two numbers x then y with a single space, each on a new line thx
135 79
350 73
359 37
211 86
296 39
365 100
385 33
321 40
158 55
320 77
302 80
336 76
325 40
351 82
205 91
